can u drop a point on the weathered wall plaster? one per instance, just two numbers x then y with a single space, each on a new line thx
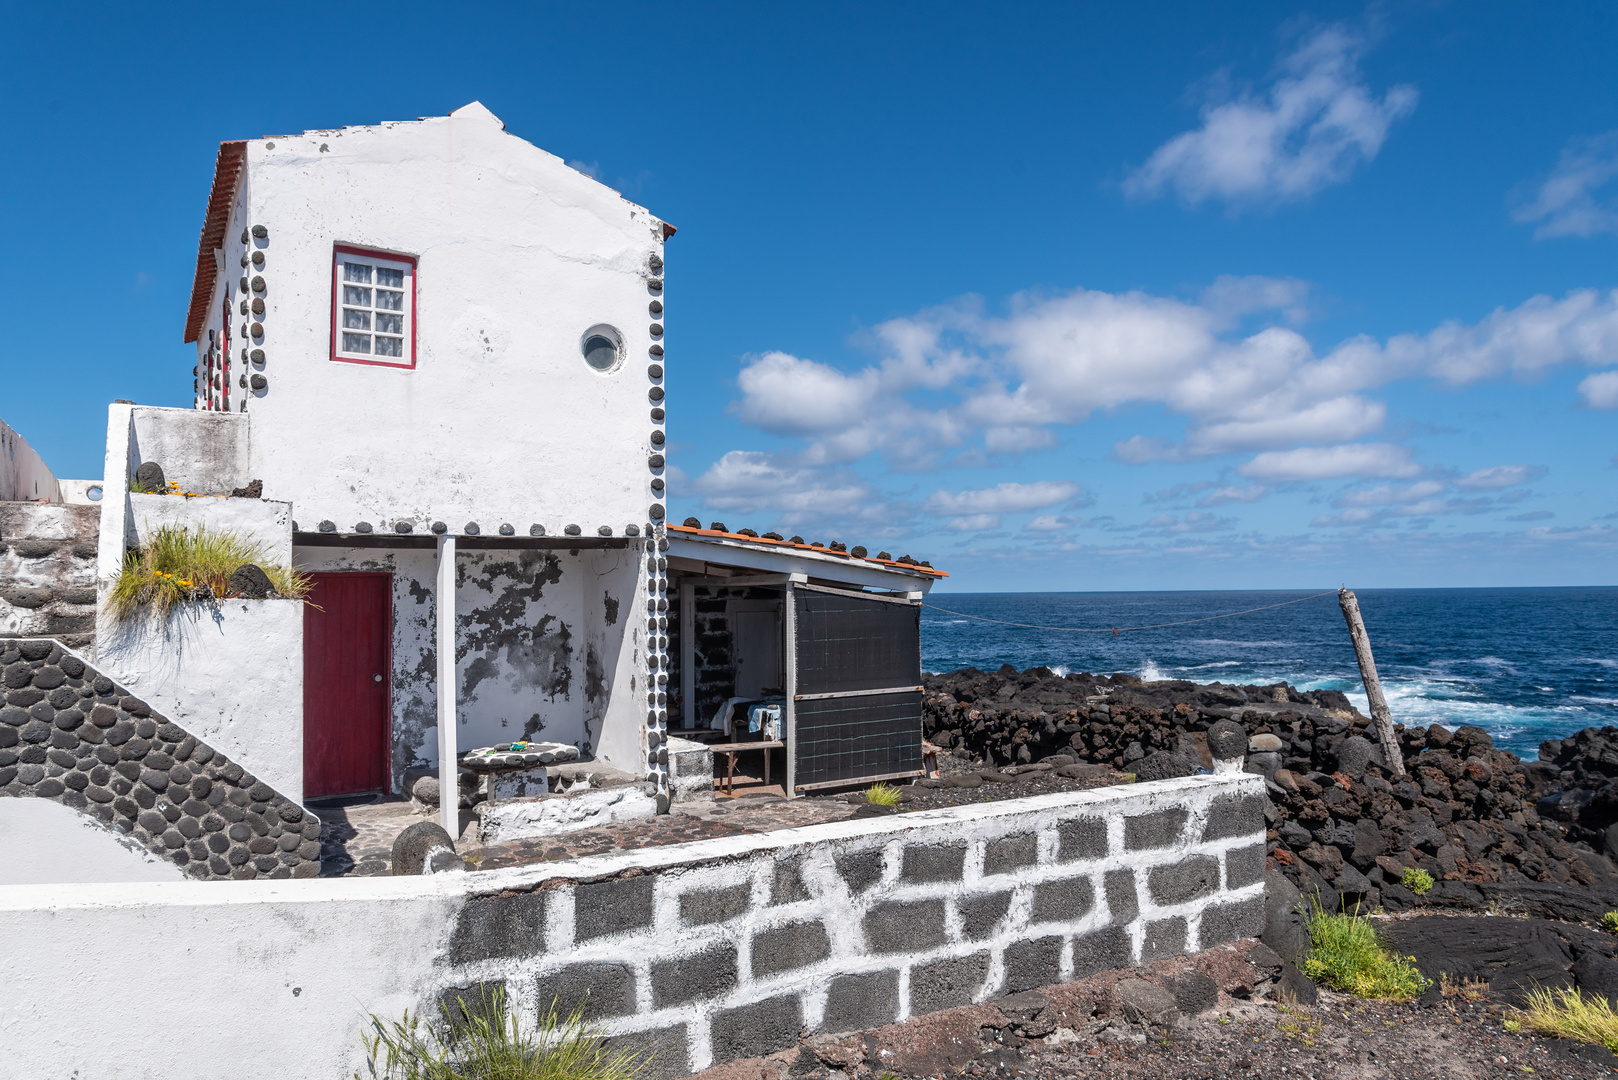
206 454
615 661
44 843
546 648
518 256
707 951
24 476
229 672
48 571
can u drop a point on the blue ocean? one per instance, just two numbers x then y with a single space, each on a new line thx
1523 664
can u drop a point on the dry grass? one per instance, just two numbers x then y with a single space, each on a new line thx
180 566
1473 990
486 1041
1567 1014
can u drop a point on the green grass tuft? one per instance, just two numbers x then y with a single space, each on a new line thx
1346 955
1609 922
486 1041
882 795
1567 1014
1416 880
179 566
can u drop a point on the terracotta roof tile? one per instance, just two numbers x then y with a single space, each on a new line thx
767 542
227 170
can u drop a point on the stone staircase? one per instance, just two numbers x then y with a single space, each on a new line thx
72 735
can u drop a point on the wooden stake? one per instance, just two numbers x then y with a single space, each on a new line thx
1381 717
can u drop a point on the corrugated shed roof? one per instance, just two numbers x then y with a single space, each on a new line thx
227 171
765 541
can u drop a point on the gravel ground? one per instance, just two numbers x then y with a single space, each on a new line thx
1081 1029
357 839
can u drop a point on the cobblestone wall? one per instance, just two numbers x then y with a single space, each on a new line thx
70 734
707 963
48 571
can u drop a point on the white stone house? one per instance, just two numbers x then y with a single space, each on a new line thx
440 354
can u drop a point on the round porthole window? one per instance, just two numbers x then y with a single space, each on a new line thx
603 347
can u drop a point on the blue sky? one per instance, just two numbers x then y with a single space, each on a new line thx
1057 297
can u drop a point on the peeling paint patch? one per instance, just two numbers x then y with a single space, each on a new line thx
595 678
609 604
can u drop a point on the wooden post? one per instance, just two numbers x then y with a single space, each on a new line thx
1381 717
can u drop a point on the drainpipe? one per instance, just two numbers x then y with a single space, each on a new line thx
449 780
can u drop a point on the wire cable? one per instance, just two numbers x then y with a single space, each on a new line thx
1116 630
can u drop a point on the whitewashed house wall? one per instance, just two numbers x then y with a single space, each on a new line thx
498 427
501 420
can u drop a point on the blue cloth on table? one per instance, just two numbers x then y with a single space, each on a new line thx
766 718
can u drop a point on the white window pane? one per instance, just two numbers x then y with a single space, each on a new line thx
356 343
393 279
356 320
392 301
353 294
389 324
389 346
357 272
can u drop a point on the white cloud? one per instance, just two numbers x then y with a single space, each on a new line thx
1389 495
1195 521
1314 124
1050 523
1500 477
1008 498
974 523
1600 391
1554 532
1332 462
1178 491
750 482
592 169
1432 497
1226 495
1567 202
780 392
957 383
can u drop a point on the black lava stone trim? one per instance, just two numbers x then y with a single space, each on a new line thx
89 745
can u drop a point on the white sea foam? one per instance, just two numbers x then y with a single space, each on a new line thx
1151 672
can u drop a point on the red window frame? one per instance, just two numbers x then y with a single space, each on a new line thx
375 253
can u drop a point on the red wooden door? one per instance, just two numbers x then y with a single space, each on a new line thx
347 631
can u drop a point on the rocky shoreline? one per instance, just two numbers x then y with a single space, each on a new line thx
1495 833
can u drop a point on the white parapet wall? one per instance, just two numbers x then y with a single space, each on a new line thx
24 476
702 952
46 843
230 672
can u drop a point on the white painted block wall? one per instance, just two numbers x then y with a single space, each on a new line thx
294 969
